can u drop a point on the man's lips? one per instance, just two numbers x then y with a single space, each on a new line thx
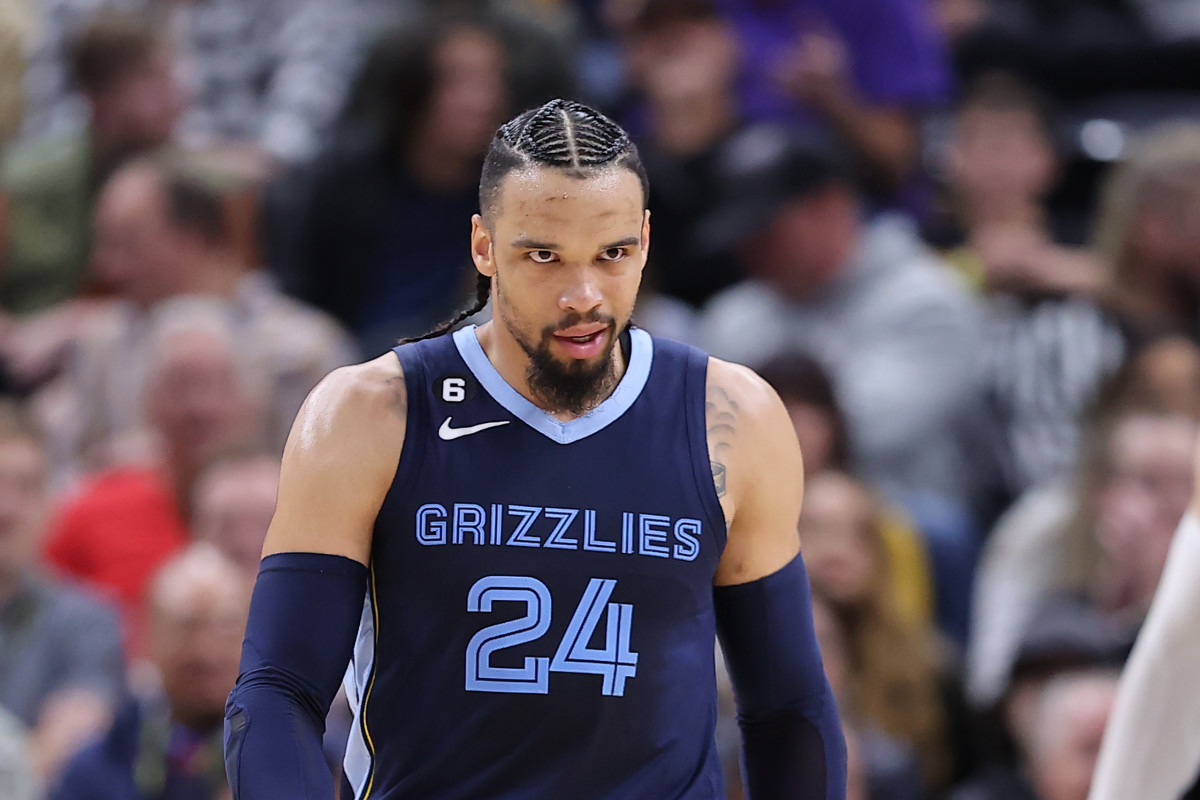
582 341
581 331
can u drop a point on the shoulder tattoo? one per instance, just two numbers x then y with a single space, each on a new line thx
721 416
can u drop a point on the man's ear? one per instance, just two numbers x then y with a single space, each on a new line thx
646 235
482 252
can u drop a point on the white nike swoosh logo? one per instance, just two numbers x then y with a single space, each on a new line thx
448 433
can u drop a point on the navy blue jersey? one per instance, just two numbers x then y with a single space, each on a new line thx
539 622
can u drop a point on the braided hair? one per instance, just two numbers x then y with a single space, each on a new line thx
562 134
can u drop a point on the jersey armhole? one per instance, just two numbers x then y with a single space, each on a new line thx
412 454
695 387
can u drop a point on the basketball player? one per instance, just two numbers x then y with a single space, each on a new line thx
548 515
1151 748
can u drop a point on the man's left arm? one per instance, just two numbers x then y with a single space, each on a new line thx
792 737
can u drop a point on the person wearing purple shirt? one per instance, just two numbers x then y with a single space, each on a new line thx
859 70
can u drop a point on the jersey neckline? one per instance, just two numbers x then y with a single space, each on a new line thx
637 372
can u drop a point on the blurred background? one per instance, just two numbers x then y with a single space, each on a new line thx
960 237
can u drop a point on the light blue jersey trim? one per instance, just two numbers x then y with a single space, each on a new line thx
641 354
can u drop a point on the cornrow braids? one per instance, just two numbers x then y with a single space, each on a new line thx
561 134
483 289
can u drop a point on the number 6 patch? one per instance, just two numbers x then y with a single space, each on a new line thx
452 389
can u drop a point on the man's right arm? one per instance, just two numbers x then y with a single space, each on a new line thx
338 464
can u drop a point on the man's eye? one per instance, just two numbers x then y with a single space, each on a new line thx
613 254
541 256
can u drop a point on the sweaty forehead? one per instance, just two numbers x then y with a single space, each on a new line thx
548 196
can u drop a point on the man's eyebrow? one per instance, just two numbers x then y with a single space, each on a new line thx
531 244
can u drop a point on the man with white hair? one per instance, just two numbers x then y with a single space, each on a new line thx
199 398
161 233
169 746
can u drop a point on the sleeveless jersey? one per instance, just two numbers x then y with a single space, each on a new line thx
539 620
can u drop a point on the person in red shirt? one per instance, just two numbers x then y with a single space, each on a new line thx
126 521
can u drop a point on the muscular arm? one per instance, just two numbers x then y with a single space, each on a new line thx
339 461
792 738
1151 747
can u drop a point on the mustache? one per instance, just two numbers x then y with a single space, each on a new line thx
575 318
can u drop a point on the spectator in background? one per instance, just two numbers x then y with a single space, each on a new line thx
880 312
822 64
1102 540
272 74
61 672
200 398
375 237
1001 164
1049 345
1067 640
893 667
881 767
233 501
1067 733
1152 747
683 62
1148 230
169 744
1065 718
1136 489
162 233
123 66
807 393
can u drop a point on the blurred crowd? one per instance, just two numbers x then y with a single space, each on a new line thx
961 238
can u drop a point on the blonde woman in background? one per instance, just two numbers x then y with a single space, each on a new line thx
893 668
1148 231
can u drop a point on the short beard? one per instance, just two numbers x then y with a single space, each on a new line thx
573 388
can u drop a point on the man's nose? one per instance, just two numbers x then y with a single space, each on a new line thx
581 294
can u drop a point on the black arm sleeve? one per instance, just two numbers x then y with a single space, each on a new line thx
299 638
792 739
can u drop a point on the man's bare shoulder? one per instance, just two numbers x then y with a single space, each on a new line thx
743 415
356 396
757 470
340 459
741 385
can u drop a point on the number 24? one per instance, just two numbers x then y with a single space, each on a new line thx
614 662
